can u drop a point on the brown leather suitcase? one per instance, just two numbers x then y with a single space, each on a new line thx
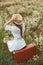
25 54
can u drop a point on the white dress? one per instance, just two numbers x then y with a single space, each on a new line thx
18 42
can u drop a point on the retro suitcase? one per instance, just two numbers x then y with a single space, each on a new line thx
25 54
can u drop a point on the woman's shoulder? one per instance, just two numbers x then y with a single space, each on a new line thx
13 27
10 25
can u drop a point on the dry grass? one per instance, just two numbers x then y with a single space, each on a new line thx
32 12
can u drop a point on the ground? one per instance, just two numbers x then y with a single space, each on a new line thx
32 12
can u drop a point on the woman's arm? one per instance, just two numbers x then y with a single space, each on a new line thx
12 19
8 22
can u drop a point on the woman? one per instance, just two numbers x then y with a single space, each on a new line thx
17 31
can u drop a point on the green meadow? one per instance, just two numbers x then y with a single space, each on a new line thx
32 12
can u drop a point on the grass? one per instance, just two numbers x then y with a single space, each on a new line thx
6 58
32 12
